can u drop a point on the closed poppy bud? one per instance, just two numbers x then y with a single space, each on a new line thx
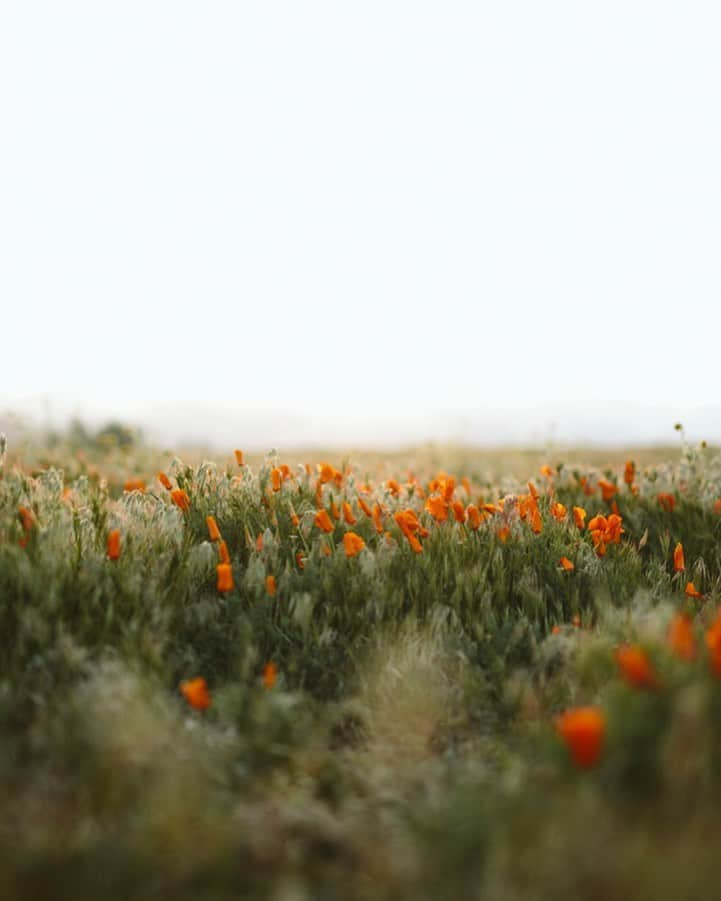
270 586
364 507
635 667
213 530
348 514
238 457
629 472
165 481
667 501
582 730
474 516
270 674
225 577
691 591
27 521
680 637
195 692
334 511
566 564
378 518
352 544
459 511
717 506
323 521
536 521
113 547
276 479
180 499
503 534
679 562
223 552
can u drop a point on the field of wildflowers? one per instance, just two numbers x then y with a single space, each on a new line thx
359 680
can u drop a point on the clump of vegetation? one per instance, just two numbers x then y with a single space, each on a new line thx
224 680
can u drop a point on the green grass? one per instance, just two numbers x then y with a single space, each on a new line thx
408 748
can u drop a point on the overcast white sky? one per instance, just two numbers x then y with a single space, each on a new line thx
394 220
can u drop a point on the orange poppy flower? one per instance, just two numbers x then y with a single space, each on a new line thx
691 591
113 546
223 552
536 520
503 534
635 667
679 562
465 481
546 471
629 472
285 471
259 542
680 637
408 523
393 486
608 489
323 521
165 481
474 516
378 518
27 520
348 514
491 508
717 506
713 643
225 577
437 506
294 518
270 586
558 511
326 473
667 501
300 560
180 499
213 530
334 511
276 478
325 549
566 564
353 544
364 507
582 730
134 485
270 674
238 457
459 511
533 491
579 517
195 692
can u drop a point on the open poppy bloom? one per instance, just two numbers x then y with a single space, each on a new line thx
558 511
437 506
474 516
635 667
323 521
680 637
679 563
180 499
352 544
225 577
407 522
582 730
113 547
579 517
195 692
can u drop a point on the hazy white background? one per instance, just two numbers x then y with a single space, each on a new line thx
265 223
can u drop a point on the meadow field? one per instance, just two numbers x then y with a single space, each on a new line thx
438 673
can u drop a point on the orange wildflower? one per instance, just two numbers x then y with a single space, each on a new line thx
491 508
348 514
635 667
680 637
378 518
582 730
558 511
300 560
334 511
270 674
717 506
579 517
165 481
134 485
195 692
259 542
325 549
437 506
667 501
326 473
276 478
474 516
285 471
353 544
679 562
546 471
270 586
503 534
225 577
459 511
566 564
393 486
180 499
465 481
238 457
294 518
533 491
323 521
27 520
223 552
113 546
536 520
713 643
408 523
691 591
364 507
608 489
629 472
213 530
